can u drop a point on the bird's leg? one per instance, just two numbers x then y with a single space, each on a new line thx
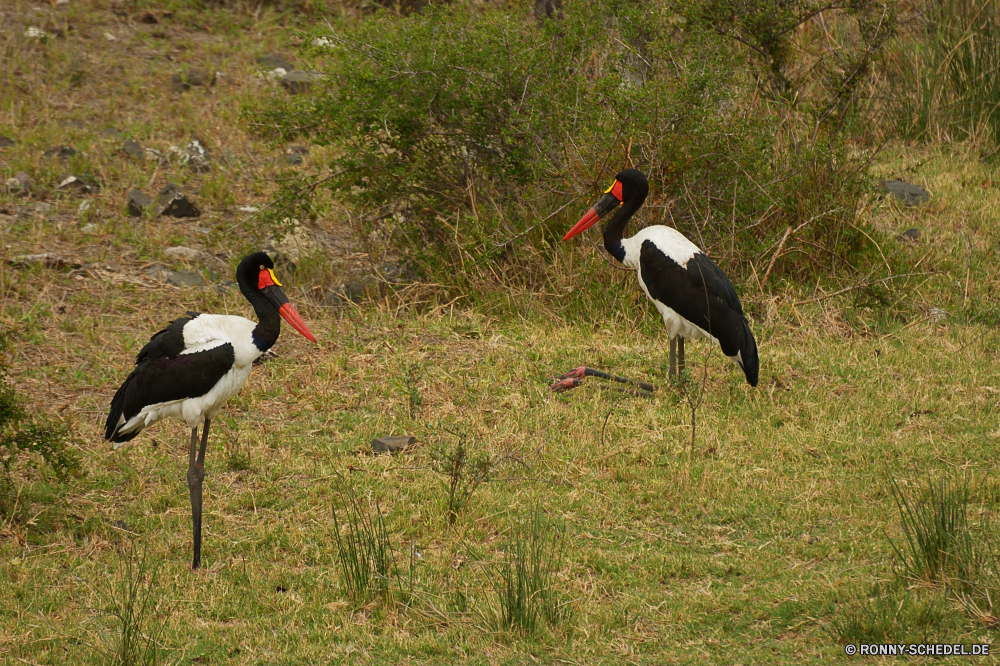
680 356
195 477
673 357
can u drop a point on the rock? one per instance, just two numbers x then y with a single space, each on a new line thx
172 202
108 36
82 209
393 444
47 259
397 272
133 149
35 33
187 279
195 76
24 180
299 81
296 244
6 141
90 228
910 195
148 18
334 298
275 60
909 236
158 273
195 156
138 203
62 152
112 133
44 209
354 290
185 253
153 155
293 158
78 184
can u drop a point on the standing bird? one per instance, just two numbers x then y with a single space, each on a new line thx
692 293
190 368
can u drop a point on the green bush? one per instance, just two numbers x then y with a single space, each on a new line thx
459 134
24 439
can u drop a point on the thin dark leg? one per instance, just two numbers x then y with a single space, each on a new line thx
673 357
195 476
680 355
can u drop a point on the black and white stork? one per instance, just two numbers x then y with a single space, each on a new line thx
692 293
190 368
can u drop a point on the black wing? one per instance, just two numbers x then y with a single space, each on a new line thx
163 374
702 294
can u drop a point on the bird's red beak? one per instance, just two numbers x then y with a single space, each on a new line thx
586 222
611 200
291 315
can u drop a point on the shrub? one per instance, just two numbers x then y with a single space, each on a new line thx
27 438
459 134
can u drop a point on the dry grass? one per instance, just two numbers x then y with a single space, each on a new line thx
747 553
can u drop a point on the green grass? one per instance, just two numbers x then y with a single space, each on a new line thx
778 542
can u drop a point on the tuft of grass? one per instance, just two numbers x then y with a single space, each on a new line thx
364 550
139 615
888 614
525 594
937 544
465 472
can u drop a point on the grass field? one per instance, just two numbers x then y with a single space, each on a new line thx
778 541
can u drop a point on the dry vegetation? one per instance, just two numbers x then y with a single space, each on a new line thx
755 551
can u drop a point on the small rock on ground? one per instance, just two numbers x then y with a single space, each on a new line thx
185 253
112 133
78 184
158 273
193 77
44 209
62 152
187 279
134 149
173 203
275 60
909 194
393 444
195 156
138 203
299 81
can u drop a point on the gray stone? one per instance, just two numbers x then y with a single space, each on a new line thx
6 141
44 209
185 253
187 279
82 209
47 259
195 156
910 195
354 290
293 158
298 150
133 149
24 180
62 152
172 202
90 228
396 444
112 133
274 60
397 272
299 81
138 203
334 298
78 184
195 76
910 236
158 273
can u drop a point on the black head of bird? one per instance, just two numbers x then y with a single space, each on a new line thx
630 188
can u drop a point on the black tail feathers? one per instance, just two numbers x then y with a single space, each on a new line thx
751 363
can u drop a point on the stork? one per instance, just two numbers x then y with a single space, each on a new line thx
190 368
693 295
